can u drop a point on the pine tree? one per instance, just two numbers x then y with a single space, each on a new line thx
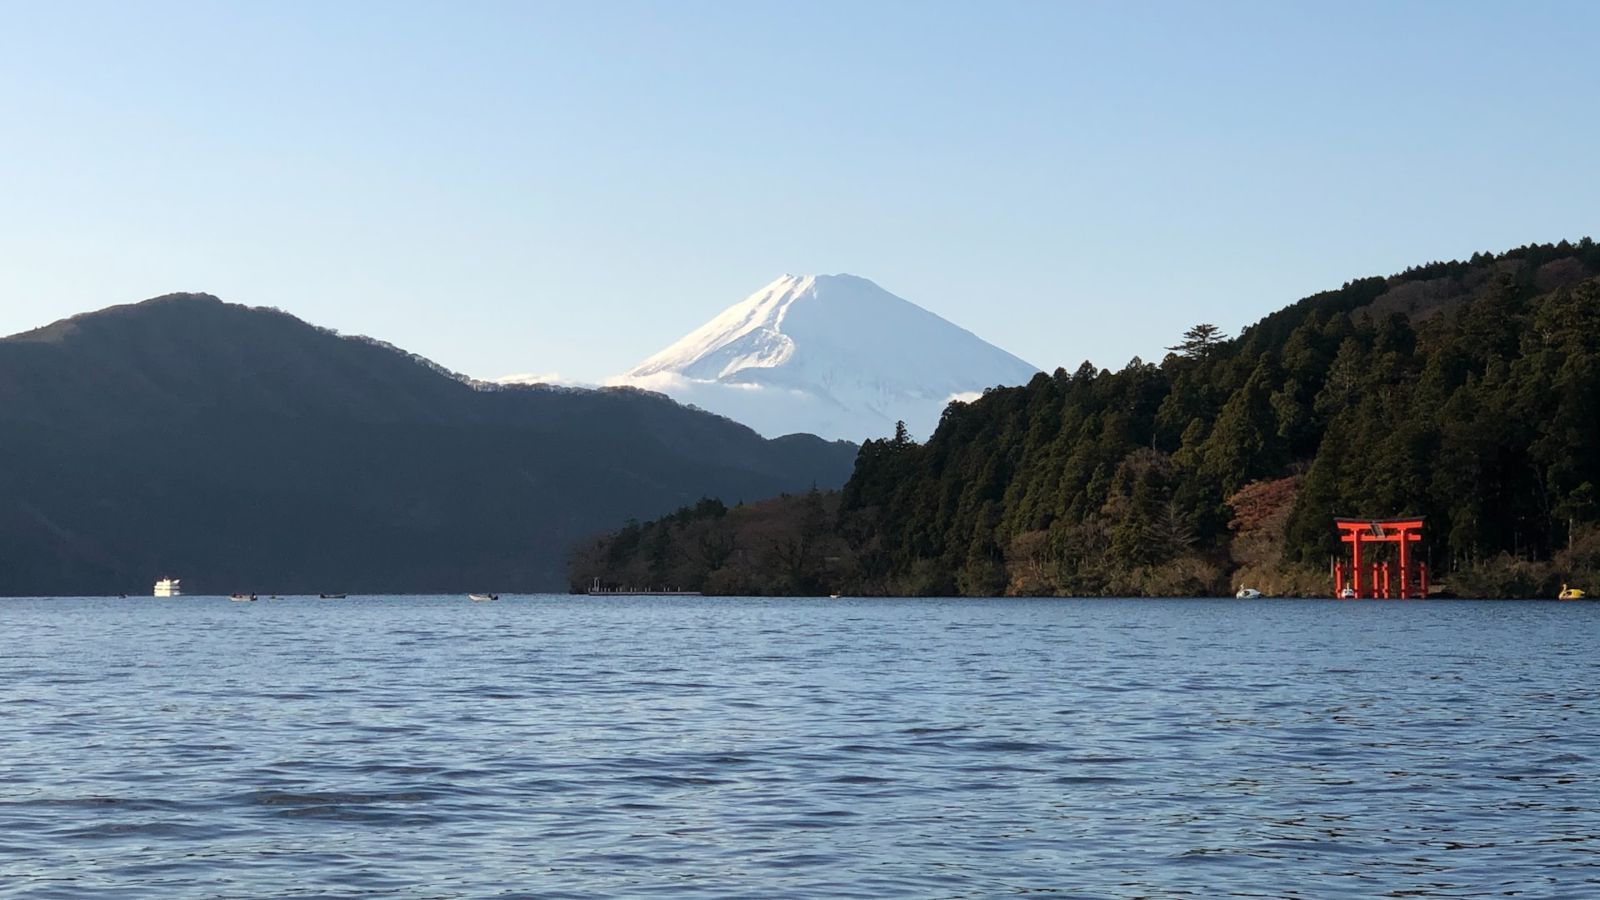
1199 341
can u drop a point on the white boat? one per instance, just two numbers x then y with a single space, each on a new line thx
483 597
168 587
1347 594
241 598
1247 593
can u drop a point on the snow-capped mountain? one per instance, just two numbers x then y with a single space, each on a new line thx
833 355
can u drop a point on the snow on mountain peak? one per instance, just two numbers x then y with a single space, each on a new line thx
748 334
835 355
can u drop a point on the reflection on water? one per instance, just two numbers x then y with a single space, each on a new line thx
577 747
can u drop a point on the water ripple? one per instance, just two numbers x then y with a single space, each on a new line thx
567 747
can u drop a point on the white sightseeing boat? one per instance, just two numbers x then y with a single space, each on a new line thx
168 587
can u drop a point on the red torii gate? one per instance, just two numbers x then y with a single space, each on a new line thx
1356 532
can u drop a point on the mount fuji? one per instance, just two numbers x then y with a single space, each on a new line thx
833 355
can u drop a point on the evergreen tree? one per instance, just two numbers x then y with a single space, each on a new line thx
1199 341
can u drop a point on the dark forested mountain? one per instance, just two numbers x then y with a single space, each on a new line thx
243 449
1467 392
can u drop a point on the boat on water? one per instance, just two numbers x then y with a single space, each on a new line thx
1248 593
482 598
169 587
330 596
1347 594
241 598
1571 593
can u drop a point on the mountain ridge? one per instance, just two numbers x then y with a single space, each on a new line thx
243 448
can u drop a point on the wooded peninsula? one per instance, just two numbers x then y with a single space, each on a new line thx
1467 393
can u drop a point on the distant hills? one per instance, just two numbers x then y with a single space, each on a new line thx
834 355
242 449
1466 392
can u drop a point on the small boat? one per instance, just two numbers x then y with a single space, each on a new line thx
833 596
330 596
1248 593
1571 593
1347 594
482 598
168 587
241 598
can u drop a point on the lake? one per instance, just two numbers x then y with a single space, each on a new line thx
554 746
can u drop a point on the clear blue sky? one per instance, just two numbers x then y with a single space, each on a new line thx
567 187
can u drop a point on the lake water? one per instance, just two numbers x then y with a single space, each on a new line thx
569 747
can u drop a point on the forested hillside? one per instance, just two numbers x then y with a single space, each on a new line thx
245 450
1467 392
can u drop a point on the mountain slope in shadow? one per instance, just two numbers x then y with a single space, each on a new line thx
242 449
